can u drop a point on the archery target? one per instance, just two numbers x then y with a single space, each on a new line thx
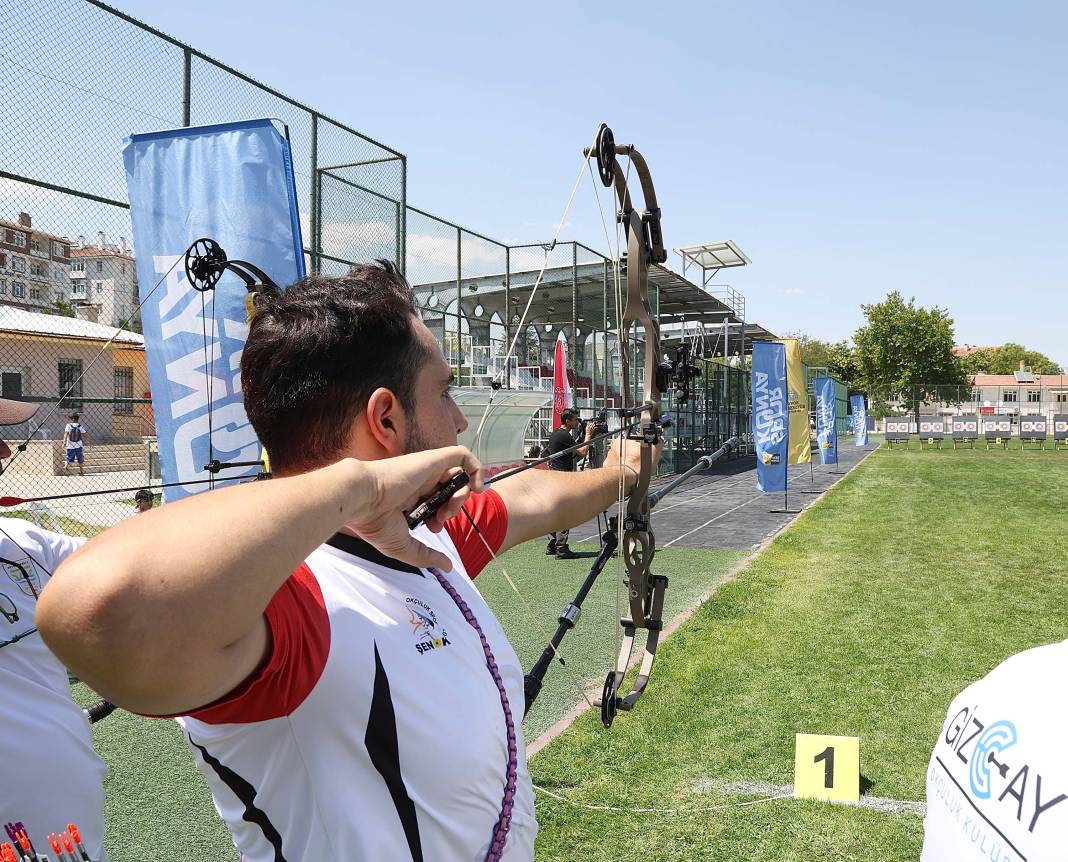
1060 426
997 428
932 429
897 430
966 427
1033 428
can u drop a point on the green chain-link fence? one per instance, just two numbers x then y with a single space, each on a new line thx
77 77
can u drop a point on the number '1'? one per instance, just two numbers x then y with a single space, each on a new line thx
827 756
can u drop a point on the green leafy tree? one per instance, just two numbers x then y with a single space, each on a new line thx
837 357
62 307
905 351
1006 359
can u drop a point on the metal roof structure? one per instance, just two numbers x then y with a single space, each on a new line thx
712 255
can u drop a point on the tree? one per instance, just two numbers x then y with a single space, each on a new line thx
62 307
1006 359
837 357
905 351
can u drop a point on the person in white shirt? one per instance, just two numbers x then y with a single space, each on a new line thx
997 783
52 775
74 439
347 692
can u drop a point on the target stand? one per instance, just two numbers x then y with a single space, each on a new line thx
1060 431
1033 430
997 430
932 432
898 431
965 430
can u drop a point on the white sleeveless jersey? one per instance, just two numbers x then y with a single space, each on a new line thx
53 775
997 783
376 731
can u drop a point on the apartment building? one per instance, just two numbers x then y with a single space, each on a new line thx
1021 393
103 280
34 265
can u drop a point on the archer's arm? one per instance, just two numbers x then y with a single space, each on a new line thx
543 501
163 613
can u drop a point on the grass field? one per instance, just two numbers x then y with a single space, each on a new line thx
915 575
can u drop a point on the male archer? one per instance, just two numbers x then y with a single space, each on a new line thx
347 692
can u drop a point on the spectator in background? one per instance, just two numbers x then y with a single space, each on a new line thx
74 439
143 501
564 438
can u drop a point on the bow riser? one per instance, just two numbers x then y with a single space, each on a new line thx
645 590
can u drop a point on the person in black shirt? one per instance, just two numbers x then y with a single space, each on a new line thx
563 438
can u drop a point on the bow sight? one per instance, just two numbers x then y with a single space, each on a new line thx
680 371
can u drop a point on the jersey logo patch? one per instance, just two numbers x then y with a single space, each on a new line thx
428 635
24 575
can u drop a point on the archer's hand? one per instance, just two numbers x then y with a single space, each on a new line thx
632 458
396 485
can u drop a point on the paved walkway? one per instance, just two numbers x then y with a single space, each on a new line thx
723 509
99 511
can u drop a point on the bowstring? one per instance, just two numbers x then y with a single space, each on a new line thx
520 327
77 380
542 631
621 495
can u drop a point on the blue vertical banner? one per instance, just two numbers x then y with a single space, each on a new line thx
771 429
826 420
860 419
232 183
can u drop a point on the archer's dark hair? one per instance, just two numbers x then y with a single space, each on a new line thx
144 494
316 353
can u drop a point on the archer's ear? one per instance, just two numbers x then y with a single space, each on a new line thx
386 421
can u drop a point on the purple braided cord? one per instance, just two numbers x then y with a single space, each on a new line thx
504 822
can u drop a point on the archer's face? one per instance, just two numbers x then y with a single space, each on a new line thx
437 421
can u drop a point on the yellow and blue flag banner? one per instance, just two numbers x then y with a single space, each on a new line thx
860 419
771 427
800 438
826 420
232 183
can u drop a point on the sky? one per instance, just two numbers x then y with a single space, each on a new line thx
849 149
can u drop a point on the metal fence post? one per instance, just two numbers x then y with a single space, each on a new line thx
574 311
187 86
507 314
459 298
316 245
402 228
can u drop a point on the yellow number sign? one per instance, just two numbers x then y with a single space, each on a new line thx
827 767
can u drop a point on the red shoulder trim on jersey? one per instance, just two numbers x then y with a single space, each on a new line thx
488 511
300 642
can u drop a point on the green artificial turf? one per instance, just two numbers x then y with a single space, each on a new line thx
917 574
590 649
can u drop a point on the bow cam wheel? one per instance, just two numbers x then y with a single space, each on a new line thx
609 701
205 262
606 155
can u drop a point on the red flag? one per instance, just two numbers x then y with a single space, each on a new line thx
561 387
